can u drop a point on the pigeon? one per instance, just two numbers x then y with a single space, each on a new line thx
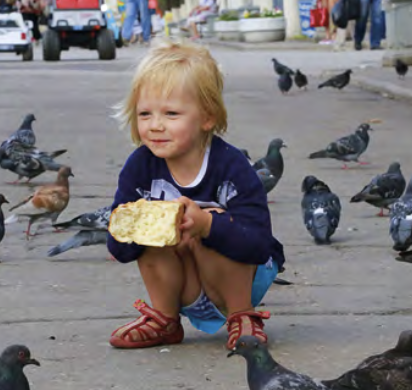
339 81
280 68
91 228
301 80
285 83
384 189
28 162
273 159
12 361
46 203
2 229
320 209
401 68
347 148
391 370
97 220
81 238
264 373
268 180
24 134
401 221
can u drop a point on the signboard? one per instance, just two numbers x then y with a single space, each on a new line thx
304 13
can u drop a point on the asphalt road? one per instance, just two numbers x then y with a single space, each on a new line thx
349 299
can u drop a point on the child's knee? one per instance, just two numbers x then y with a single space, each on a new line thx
152 255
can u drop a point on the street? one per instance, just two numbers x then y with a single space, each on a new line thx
349 300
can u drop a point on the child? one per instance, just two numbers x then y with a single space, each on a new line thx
227 258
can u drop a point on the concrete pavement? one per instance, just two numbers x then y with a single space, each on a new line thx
349 300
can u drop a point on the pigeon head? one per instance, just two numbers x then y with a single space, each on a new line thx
405 343
18 355
3 199
248 346
274 60
65 172
349 71
29 118
308 183
394 167
365 127
276 144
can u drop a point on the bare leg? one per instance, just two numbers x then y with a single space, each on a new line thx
217 274
194 30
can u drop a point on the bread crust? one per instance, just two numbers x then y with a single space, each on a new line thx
148 223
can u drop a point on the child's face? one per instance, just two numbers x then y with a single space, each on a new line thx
171 127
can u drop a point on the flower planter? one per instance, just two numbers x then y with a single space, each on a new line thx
227 30
263 29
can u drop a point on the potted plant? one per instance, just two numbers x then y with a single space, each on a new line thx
265 26
227 26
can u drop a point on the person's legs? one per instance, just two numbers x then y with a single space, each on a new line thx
193 30
361 23
145 19
131 15
376 24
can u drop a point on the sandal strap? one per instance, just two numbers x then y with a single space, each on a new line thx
152 314
247 323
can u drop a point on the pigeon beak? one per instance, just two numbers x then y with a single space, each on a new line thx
232 352
5 200
71 174
284 145
33 361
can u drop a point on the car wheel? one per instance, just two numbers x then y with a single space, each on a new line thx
106 45
51 46
28 54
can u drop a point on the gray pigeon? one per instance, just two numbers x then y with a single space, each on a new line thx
285 83
281 69
401 68
401 221
81 238
347 148
28 161
384 189
301 80
339 81
96 220
24 134
264 373
2 229
12 361
273 159
268 180
391 370
320 209
91 228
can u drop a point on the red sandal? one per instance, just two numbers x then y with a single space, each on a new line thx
246 323
141 334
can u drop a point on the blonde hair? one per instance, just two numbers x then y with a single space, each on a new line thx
168 65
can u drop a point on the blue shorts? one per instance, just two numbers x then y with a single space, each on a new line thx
205 316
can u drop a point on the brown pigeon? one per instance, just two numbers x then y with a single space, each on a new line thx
46 203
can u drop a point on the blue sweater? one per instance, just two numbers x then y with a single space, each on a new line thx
243 233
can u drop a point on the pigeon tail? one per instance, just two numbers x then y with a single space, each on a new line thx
319 154
401 233
11 219
57 153
321 227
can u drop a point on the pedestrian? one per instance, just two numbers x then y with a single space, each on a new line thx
374 9
31 10
198 15
227 258
133 8
329 29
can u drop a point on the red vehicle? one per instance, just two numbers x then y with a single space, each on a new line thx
79 23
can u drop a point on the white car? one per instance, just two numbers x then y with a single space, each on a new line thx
16 35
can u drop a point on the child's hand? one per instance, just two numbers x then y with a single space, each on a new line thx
196 222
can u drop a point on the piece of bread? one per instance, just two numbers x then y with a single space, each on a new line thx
154 223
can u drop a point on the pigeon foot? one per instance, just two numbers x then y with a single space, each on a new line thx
380 214
363 163
345 166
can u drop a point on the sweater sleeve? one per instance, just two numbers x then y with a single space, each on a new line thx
126 192
244 233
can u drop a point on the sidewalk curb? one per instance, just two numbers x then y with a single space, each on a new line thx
281 45
386 89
